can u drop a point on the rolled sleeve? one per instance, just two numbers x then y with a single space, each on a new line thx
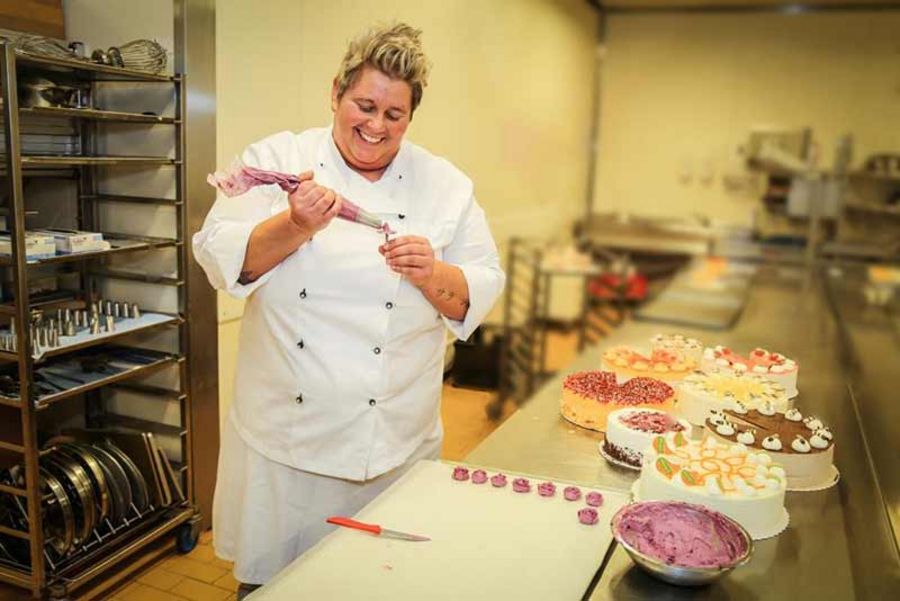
220 248
473 250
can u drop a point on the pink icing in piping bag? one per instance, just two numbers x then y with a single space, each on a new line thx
240 178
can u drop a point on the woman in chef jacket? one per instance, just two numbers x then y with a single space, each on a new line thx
340 362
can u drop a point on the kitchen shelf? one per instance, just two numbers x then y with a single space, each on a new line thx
121 243
49 160
96 115
142 425
125 374
44 383
88 71
63 299
873 209
69 344
131 199
879 177
118 274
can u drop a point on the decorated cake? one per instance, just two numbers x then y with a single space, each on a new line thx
743 484
718 390
589 397
630 431
803 446
661 364
686 348
760 362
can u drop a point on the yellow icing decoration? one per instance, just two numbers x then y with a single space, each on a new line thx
691 478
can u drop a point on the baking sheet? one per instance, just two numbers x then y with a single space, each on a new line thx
487 543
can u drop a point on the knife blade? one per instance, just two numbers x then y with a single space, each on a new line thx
375 529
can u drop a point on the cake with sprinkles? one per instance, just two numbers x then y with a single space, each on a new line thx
589 397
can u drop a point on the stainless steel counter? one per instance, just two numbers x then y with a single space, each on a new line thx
839 544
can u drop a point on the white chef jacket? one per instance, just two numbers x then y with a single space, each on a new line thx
340 359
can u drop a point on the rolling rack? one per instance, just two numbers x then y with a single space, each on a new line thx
524 346
85 486
526 317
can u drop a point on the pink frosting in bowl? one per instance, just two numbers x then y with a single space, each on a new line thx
681 542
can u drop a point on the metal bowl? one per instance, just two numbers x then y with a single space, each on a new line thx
676 574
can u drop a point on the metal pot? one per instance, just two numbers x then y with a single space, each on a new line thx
40 92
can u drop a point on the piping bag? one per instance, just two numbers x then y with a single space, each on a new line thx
240 178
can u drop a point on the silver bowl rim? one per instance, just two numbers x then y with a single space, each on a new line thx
711 571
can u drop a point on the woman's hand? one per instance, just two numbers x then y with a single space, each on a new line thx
313 206
411 256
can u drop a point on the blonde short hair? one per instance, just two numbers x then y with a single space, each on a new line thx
395 50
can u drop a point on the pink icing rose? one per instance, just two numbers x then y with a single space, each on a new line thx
521 485
546 489
479 477
498 481
460 473
588 515
572 493
594 499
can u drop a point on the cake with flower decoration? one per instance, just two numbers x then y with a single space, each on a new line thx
802 445
589 397
760 362
718 390
744 484
687 348
662 364
630 431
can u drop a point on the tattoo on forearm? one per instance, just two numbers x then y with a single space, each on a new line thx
450 295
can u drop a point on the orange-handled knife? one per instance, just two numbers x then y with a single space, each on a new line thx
374 529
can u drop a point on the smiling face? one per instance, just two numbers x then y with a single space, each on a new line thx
370 120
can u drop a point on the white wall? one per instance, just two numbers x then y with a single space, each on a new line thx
680 93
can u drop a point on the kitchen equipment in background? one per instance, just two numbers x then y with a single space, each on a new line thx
766 144
92 489
41 46
142 55
375 529
885 164
36 91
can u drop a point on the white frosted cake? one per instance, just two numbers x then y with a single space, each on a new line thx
803 446
719 390
759 362
743 484
684 347
630 431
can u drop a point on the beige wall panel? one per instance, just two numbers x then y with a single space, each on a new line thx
681 92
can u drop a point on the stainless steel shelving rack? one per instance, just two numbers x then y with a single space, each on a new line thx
21 445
